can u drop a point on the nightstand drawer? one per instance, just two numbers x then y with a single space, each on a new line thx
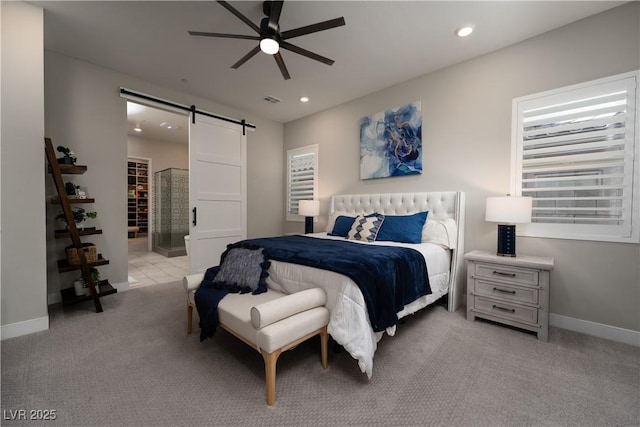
506 310
506 292
511 274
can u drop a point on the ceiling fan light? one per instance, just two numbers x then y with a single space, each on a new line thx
269 46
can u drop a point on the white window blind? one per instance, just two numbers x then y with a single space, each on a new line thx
302 178
576 153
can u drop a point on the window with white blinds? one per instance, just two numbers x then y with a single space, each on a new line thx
576 155
302 178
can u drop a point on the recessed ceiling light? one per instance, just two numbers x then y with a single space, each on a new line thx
304 99
169 126
464 31
137 128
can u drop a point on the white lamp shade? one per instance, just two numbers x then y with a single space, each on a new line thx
509 209
309 208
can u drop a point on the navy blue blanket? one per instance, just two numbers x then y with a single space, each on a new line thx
207 298
389 277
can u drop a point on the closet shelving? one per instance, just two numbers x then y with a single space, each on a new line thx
138 195
98 289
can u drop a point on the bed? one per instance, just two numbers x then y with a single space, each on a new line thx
441 244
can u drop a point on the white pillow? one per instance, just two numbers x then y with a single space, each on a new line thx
440 232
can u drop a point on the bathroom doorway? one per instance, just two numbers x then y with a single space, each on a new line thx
157 201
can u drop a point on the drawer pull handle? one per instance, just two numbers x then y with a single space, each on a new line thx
509 310
504 291
500 273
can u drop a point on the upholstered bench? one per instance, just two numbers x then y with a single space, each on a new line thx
132 231
271 322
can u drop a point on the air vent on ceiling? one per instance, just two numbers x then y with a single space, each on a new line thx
272 99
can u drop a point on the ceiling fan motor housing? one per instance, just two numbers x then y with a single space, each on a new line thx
268 31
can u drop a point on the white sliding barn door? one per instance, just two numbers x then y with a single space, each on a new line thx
217 189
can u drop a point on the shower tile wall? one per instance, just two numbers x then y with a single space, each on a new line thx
171 208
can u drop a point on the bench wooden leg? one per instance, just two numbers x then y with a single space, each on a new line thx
270 360
324 345
189 318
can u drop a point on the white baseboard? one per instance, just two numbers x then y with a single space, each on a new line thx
599 330
17 329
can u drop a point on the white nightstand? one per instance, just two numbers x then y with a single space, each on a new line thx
509 290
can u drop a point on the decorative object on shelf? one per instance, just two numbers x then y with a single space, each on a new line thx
90 253
308 209
69 157
508 211
95 275
81 192
79 216
391 142
80 287
71 189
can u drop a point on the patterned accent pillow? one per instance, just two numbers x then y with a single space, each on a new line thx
243 268
365 228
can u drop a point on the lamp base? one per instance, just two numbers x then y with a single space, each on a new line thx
506 240
308 224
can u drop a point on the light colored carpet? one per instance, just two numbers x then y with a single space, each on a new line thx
134 365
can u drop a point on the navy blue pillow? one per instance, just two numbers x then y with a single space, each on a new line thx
402 228
342 226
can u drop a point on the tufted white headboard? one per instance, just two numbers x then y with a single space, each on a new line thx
441 205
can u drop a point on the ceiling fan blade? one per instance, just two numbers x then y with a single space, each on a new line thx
247 57
283 68
305 52
228 36
274 16
313 28
240 16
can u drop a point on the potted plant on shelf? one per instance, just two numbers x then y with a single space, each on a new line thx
79 216
69 157
71 189
81 286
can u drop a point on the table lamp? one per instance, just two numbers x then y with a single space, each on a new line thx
507 212
308 209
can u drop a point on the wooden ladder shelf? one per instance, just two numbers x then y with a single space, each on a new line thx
101 288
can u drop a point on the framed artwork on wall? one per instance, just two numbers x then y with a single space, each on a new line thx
391 142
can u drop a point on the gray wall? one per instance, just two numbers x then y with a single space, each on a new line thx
84 110
23 279
467 141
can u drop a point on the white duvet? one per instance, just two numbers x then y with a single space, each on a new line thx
349 322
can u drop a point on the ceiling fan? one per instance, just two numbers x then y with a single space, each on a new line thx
270 37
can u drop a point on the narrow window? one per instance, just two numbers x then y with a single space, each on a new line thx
302 178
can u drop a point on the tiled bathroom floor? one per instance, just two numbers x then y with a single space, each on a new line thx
149 268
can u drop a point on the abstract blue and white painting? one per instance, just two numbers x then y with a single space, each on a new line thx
391 142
